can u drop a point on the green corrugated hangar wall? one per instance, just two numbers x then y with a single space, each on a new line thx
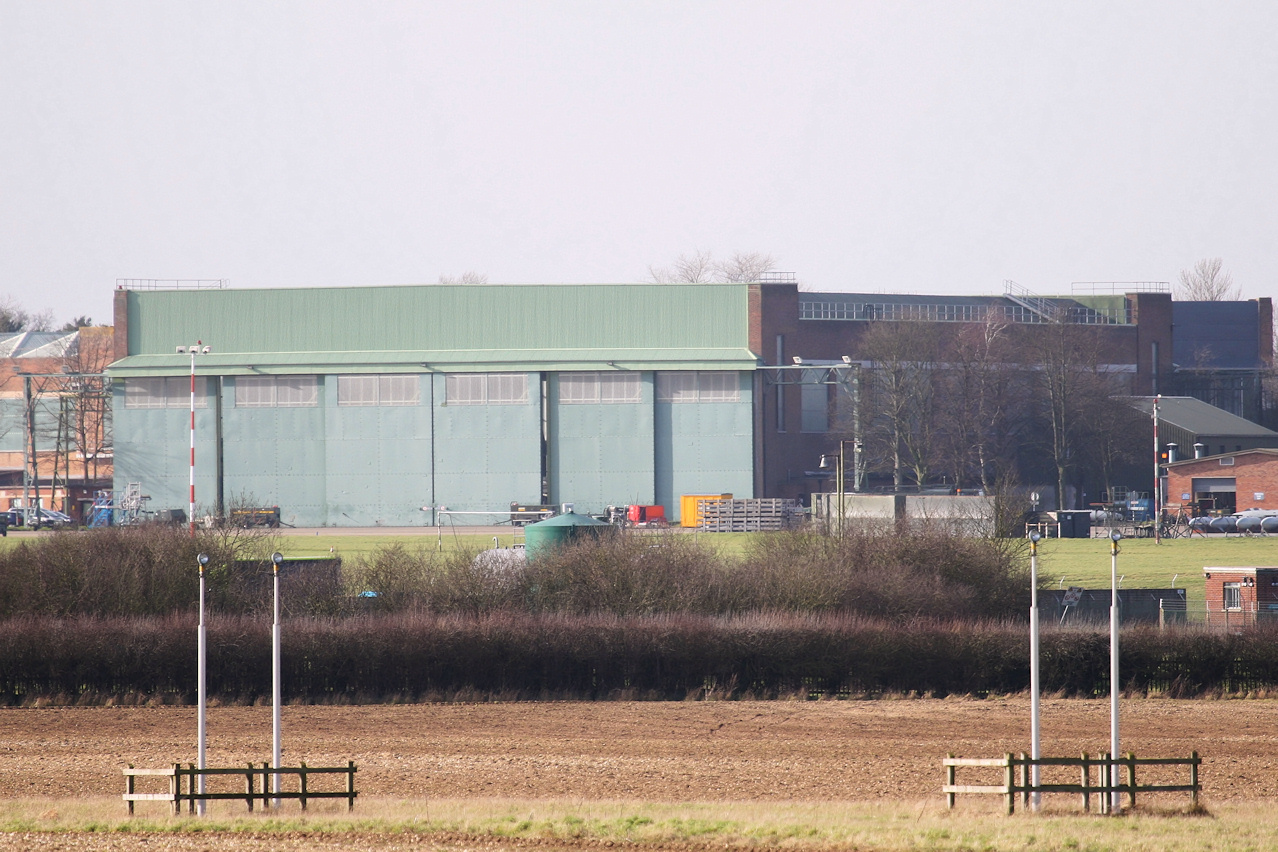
326 462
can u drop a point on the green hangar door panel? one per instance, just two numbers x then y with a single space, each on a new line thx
273 445
487 442
379 450
704 435
600 439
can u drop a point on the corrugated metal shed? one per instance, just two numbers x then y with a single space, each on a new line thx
1197 417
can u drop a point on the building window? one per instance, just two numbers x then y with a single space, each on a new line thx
698 386
606 388
276 392
395 389
1233 596
486 388
166 392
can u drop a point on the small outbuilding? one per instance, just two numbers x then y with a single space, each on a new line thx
1240 595
1225 483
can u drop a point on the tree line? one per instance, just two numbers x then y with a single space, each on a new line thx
984 405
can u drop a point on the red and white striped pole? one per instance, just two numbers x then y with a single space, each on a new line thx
1158 479
191 509
198 349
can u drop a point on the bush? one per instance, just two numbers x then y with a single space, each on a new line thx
135 570
879 573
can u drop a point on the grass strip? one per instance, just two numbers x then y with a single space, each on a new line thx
975 825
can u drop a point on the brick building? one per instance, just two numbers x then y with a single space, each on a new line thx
1225 483
1240 596
55 446
1144 342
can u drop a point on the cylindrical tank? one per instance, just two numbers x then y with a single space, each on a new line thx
544 536
1248 524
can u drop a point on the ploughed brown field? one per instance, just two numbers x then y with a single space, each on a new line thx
775 751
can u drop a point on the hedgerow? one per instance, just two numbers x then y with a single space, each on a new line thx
111 615
512 656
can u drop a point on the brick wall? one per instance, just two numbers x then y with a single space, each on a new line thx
1254 473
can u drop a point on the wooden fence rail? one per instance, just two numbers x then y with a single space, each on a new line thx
1017 778
253 791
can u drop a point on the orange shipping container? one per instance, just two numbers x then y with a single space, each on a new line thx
690 512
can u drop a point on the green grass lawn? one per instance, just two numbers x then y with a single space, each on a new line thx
1142 563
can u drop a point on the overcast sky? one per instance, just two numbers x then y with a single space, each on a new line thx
883 147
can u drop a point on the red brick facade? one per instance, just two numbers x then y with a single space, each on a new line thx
1255 475
1252 594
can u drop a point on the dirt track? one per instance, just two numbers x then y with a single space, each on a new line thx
841 750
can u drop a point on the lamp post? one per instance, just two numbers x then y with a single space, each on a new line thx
840 475
840 479
276 559
1114 537
198 349
200 686
1035 730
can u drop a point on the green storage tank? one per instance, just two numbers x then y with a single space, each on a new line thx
545 536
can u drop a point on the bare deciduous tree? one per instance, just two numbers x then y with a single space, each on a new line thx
86 388
1074 390
695 268
13 317
700 267
900 388
744 267
471 277
1207 281
977 403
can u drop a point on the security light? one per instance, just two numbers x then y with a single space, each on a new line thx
181 350
1115 535
277 557
847 359
203 559
1035 536
797 359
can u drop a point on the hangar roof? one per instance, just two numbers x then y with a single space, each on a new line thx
452 327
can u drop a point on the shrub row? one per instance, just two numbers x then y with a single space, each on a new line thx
878 573
520 656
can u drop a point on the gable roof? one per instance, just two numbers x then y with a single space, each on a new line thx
1199 418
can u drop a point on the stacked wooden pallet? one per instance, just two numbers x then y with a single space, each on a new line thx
756 515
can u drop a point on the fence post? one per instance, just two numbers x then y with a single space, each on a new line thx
175 789
266 785
302 774
190 789
128 789
1131 780
1193 775
1102 772
1086 785
350 785
248 787
1010 780
950 782
1025 781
